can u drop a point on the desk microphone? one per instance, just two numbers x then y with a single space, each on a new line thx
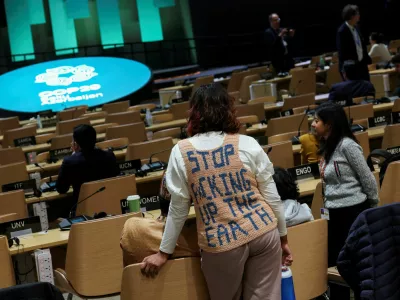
91 195
296 139
269 150
158 165
37 165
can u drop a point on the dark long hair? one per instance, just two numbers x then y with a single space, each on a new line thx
333 115
212 109
285 184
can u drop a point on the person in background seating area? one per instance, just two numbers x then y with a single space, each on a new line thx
396 62
379 49
309 147
351 87
295 213
141 237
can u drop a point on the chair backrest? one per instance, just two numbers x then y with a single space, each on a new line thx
12 134
363 139
235 96
109 200
9 123
248 120
139 107
390 189
7 278
396 105
394 46
236 81
94 258
13 173
124 118
71 113
391 136
112 108
180 110
102 128
178 279
245 87
358 112
13 202
171 132
333 75
317 202
266 99
281 154
258 70
309 246
135 132
61 141
302 109
287 124
95 115
157 119
120 142
202 81
303 81
298 101
251 110
11 155
9 218
283 137
146 149
66 127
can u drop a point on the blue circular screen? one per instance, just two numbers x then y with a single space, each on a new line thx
59 84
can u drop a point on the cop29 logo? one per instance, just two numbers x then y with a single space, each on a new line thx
77 74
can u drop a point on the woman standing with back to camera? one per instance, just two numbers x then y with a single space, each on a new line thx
349 186
240 218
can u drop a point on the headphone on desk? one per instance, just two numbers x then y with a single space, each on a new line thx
12 241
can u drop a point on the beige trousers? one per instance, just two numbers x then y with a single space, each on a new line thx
252 271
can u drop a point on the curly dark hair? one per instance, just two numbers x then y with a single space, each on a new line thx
286 185
212 109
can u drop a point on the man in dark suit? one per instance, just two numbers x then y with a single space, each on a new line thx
351 87
278 41
87 163
351 45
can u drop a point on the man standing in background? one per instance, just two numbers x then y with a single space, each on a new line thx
351 45
278 42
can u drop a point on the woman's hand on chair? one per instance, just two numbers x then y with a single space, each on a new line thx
287 258
152 264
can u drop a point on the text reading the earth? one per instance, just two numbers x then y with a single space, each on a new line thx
239 201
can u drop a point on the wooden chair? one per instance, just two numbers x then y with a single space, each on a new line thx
7 278
116 107
13 173
95 115
390 189
287 124
266 99
9 123
396 105
391 136
109 200
157 119
12 134
139 107
44 138
70 114
394 46
116 143
61 141
179 110
309 246
124 118
236 81
363 139
317 202
135 132
178 279
303 81
245 87
174 133
358 112
249 120
12 155
65 127
283 137
302 109
298 101
102 128
281 154
146 149
332 77
235 96
8 218
258 70
93 265
251 110
13 202
202 81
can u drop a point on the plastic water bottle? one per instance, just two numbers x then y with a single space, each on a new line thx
322 62
178 95
39 122
149 118
287 288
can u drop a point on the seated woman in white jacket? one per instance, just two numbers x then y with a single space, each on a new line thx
379 49
295 213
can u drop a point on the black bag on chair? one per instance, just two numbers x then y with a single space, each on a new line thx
388 158
32 291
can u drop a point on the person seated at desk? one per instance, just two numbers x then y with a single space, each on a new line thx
141 237
379 49
87 163
309 148
295 213
352 87
396 62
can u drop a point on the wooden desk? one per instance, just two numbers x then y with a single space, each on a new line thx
307 187
382 71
